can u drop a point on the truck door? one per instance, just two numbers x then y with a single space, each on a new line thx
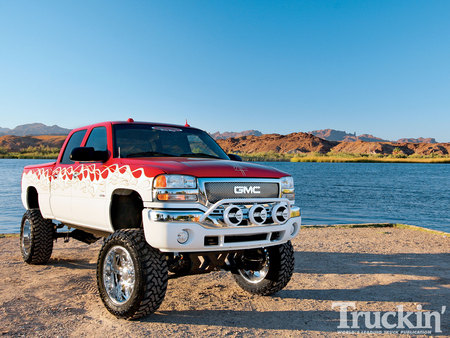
62 180
90 205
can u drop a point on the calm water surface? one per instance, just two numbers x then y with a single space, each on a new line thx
328 193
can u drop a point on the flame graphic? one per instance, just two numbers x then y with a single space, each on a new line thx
87 178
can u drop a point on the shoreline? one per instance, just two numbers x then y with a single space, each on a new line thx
337 226
344 158
282 158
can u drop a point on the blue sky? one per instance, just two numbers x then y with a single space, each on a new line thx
379 67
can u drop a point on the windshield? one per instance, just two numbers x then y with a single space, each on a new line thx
146 140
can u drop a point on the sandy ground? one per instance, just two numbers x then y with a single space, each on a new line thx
377 268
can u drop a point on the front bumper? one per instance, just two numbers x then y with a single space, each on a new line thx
162 227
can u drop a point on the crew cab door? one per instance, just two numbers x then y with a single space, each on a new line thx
62 180
90 205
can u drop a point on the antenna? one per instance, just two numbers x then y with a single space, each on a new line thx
187 124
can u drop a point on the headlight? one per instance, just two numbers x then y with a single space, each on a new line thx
287 183
175 188
175 182
287 188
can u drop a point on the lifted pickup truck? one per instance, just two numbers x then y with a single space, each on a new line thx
168 202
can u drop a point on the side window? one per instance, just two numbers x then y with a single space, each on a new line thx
75 141
97 139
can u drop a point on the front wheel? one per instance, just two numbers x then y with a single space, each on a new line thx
131 275
36 237
265 271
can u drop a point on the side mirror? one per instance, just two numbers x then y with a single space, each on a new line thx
88 154
235 157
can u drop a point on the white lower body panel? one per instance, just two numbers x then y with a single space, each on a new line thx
163 235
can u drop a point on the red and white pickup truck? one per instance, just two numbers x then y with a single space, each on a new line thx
169 202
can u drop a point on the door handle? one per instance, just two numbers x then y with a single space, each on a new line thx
75 174
55 176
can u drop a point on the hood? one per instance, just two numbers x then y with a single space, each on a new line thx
200 167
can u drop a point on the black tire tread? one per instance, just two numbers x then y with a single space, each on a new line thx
280 272
41 238
154 273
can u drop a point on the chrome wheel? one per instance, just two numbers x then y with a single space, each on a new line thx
119 275
26 237
256 276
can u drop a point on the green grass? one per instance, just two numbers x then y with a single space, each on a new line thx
267 157
52 153
344 157
369 159
378 225
31 153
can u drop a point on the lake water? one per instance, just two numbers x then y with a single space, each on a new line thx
328 193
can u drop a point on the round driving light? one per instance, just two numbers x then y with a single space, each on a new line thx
280 213
233 215
182 236
257 214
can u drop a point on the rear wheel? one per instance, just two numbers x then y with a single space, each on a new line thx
36 237
265 271
131 275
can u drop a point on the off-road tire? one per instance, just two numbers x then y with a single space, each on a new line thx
39 245
151 275
281 268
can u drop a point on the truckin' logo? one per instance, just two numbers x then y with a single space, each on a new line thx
256 189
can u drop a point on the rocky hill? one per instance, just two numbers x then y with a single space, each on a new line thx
288 144
300 143
389 148
295 143
13 143
32 129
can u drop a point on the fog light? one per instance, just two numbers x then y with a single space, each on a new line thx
182 236
294 228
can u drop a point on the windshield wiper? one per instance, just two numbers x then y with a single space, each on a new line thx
200 155
150 154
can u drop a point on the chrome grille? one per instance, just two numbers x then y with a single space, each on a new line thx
216 191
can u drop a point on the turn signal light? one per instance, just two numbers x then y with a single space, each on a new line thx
176 197
161 181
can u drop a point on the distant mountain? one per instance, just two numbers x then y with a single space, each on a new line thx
222 136
342 136
417 140
339 135
33 129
